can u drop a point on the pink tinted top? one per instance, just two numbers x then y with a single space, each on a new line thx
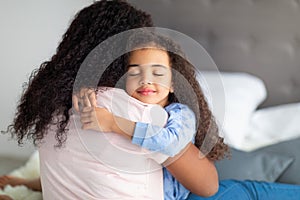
95 165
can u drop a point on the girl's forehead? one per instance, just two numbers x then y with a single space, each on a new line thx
149 49
152 65
149 55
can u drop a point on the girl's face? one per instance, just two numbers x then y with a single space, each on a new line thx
149 76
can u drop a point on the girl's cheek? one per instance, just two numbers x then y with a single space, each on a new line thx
165 82
129 89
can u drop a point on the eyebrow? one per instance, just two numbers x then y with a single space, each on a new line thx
154 65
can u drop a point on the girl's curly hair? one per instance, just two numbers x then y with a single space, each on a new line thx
186 88
50 88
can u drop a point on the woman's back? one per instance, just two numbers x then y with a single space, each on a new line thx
95 165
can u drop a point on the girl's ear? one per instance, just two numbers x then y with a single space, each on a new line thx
172 88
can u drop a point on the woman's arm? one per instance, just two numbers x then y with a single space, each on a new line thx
194 171
33 184
5 197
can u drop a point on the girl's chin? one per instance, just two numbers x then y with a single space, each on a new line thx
144 100
147 100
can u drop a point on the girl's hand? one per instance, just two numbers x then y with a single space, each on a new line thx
98 119
85 97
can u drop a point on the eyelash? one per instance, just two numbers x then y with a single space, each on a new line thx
158 74
136 74
133 73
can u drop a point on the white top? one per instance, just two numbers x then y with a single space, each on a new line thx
95 165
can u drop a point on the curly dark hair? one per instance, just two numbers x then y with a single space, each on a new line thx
50 88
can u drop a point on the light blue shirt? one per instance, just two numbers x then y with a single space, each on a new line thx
170 140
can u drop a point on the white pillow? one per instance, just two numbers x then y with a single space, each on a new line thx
233 97
272 125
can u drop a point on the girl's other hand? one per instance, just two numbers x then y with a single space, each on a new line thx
98 119
86 97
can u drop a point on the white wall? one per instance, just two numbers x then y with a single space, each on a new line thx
30 33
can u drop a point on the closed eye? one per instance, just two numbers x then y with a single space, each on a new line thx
158 74
159 71
133 74
133 71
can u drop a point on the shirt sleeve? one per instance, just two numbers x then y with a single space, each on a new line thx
171 139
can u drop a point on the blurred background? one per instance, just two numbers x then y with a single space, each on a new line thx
30 33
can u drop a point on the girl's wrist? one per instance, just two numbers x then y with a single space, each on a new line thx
105 120
123 126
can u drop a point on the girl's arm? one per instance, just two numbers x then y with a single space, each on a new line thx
169 140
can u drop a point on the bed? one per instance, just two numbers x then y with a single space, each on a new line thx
256 46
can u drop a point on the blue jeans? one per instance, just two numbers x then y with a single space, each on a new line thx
252 190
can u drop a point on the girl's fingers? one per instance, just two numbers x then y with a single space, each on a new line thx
85 120
86 126
87 109
85 97
92 98
89 96
86 101
82 92
75 102
85 115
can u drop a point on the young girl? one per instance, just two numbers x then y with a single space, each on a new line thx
146 67
149 79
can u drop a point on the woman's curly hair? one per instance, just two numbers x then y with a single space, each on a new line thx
50 88
49 91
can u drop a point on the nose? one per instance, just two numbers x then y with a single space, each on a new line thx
145 82
146 79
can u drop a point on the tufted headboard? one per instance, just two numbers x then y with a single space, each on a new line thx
260 37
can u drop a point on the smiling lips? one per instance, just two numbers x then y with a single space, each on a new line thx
146 91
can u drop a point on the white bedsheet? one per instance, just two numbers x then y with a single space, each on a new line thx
29 171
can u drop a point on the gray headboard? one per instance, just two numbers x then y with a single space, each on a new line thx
261 37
